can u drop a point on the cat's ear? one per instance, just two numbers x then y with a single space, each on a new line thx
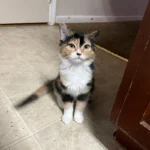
64 32
93 35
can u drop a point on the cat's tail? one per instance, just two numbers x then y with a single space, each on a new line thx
48 87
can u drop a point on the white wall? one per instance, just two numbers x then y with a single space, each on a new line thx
100 10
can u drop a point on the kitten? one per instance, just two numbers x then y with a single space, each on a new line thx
75 81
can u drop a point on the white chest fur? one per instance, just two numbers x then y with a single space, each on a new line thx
75 77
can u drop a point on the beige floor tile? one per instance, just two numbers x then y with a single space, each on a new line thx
8 50
27 144
15 38
67 137
28 57
11 127
55 137
82 139
99 131
3 97
47 36
20 45
25 50
10 31
48 70
40 113
10 60
51 44
41 54
20 80
19 54
38 31
34 51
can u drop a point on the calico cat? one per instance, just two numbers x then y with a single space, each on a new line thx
75 81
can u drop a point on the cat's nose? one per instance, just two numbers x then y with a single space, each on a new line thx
79 54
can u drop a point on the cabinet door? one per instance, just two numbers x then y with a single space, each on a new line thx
131 111
23 11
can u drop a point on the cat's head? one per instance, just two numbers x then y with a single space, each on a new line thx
77 47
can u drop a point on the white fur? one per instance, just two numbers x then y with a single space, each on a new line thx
75 76
68 115
78 116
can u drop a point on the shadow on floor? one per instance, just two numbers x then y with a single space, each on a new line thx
98 111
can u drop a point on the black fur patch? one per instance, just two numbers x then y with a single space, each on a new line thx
89 84
49 85
58 88
91 66
92 85
84 97
79 36
76 35
67 98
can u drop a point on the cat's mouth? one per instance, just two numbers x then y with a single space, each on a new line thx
79 58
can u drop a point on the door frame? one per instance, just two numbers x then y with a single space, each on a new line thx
132 66
52 12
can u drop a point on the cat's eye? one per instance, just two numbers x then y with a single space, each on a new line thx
87 46
71 45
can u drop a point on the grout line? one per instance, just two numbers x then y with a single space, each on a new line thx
5 96
37 142
26 126
31 134
44 127
15 142
32 90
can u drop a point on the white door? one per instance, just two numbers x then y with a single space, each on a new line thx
23 11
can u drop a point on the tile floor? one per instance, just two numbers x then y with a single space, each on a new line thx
28 58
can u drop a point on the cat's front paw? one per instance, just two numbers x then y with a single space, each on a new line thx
66 119
79 118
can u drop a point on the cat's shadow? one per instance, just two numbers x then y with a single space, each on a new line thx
97 114
54 99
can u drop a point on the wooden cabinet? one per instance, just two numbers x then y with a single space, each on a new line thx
131 111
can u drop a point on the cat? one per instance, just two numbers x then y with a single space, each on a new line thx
75 81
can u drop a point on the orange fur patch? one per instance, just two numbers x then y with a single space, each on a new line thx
66 50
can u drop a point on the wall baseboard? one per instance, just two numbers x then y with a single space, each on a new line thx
81 19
